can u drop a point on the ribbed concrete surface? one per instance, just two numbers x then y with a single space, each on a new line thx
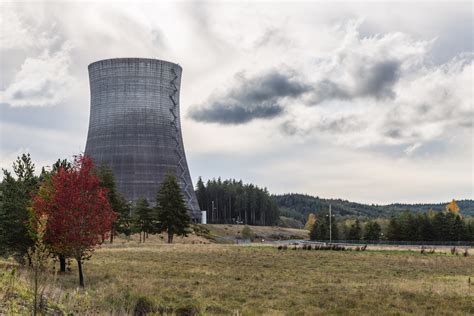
135 126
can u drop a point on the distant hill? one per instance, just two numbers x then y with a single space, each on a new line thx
298 206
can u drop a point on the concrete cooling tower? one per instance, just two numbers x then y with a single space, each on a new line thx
135 127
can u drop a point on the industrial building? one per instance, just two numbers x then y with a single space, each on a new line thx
135 127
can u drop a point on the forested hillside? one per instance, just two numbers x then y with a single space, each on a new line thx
299 206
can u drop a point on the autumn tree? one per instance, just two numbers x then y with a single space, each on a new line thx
46 185
310 222
453 207
171 212
78 211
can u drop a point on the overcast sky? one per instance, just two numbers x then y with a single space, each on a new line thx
369 102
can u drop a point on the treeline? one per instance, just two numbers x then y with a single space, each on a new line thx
431 226
231 201
370 230
467 207
447 225
299 206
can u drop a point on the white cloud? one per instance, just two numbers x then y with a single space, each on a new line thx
387 84
42 81
408 100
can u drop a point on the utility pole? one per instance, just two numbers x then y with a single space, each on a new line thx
330 224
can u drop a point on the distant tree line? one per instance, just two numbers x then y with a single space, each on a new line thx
371 230
446 225
231 201
432 226
299 206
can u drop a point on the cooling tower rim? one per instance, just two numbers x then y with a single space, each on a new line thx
132 59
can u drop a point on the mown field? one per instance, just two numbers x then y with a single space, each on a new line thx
252 279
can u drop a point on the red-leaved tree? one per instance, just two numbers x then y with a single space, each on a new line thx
79 214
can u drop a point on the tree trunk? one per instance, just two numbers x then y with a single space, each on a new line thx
81 276
112 236
140 237
62 263
143 238
170 238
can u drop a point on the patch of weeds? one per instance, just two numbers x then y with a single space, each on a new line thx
217 310
187 309
144 306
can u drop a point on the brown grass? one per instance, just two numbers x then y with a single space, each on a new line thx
256 279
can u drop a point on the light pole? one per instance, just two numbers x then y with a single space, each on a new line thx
330 223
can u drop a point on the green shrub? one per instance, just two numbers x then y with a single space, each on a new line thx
247 233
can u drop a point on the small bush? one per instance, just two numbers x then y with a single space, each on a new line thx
144 306
247 233
188 310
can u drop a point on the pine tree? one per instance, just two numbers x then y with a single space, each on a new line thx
355 232
372 231
201 194
15 199
393 231
171 212
143 218
116 200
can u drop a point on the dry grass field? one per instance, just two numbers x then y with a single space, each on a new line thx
251 279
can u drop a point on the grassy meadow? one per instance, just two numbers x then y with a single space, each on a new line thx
196 278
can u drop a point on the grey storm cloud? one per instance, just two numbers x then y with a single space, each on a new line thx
379 80
376 81
260 97
257 97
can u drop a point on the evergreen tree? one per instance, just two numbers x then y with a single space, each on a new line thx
201 194
393 232
143 218
320 230
15 199
372 231
171 212
117 201
355 232
427 232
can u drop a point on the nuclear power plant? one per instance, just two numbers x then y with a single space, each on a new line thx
135 127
